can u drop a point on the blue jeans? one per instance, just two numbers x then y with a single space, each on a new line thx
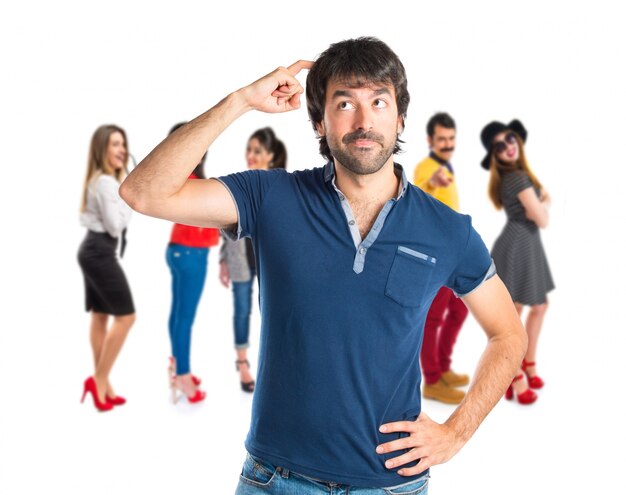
242 301
188 266
260 477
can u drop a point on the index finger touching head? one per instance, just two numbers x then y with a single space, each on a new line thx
299 65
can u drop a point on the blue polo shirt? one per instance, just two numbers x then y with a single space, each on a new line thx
342 317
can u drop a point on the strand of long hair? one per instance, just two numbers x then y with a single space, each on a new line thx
498 168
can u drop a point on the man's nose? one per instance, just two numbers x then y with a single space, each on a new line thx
364 118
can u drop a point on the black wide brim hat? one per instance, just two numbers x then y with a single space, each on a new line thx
492 129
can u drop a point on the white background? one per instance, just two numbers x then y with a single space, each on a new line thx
68 67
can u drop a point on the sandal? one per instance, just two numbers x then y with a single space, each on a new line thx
245 386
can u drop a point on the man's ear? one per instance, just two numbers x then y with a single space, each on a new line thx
319 127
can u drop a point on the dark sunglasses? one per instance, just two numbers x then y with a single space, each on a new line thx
500 146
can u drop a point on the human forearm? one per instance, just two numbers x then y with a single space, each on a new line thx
535 209
424 184
115 218
496 368
540 216
165 170
158 187
422 176
224 249
435 443
494 310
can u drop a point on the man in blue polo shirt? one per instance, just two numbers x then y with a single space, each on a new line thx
350 256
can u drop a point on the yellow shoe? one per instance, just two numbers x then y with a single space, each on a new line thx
442 392
453 379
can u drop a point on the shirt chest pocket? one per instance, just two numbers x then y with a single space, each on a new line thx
409 277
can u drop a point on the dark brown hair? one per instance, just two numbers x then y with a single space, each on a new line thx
272 144
364 61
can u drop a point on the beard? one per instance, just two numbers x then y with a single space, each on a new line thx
361 161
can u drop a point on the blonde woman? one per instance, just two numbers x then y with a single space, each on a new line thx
107 293
518 251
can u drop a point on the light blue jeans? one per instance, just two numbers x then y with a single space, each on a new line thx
242 300
260 477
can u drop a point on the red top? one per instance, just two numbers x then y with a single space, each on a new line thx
198 237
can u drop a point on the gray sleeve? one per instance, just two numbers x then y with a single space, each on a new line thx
236 260
224 249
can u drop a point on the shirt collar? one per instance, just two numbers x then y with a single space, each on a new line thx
329 175
442 162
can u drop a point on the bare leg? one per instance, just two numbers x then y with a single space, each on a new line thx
534 321
244 370
186 384
110 349
520 386
97 333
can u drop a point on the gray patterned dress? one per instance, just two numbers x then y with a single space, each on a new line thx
518 252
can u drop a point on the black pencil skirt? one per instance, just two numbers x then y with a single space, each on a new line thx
106 288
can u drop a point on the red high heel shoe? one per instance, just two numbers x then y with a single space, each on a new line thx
196 380
533 381
90 386
115 401
198 396
525 398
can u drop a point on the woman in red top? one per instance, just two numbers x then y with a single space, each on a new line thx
187 258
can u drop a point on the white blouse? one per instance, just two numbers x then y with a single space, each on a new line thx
106 211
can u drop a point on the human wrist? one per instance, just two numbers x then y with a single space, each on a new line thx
459 428
237 102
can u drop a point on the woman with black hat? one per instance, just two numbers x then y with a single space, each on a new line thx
518 252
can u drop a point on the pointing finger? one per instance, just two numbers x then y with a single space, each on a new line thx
299 65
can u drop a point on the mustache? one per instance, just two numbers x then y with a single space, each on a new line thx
446 150
370 136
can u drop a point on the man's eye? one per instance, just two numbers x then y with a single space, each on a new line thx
346 105
380 103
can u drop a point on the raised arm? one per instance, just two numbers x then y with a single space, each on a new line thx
158 186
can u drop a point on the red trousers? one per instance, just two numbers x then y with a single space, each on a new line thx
443 324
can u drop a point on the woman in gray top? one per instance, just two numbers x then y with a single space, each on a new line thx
107 293
518 251
237 262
